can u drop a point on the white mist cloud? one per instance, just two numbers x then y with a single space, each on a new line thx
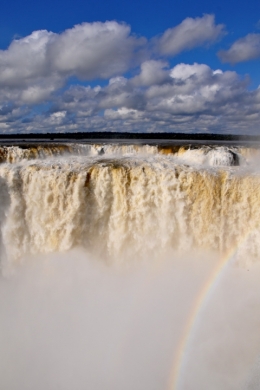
244 49
70 321
192 32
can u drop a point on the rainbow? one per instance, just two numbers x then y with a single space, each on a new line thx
199 304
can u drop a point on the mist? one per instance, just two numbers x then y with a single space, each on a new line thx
72 321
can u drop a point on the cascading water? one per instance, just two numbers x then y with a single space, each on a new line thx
170 211
135 202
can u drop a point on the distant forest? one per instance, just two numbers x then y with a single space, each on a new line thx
85 136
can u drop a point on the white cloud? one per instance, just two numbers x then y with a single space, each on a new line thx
244 49
123 113
191 98
152 72
96 49
25 59
195 89
25 74
187 97
57 118
192 32
35 66
186 71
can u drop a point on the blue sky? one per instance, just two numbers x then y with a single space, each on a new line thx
130 66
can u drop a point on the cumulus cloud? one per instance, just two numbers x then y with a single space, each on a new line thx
152 72
96 49
37 65
25 74
183 98
192 32
244 49
156 97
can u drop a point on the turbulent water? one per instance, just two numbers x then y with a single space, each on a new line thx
125 200
72 214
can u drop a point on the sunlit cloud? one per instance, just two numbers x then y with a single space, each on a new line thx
141 91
